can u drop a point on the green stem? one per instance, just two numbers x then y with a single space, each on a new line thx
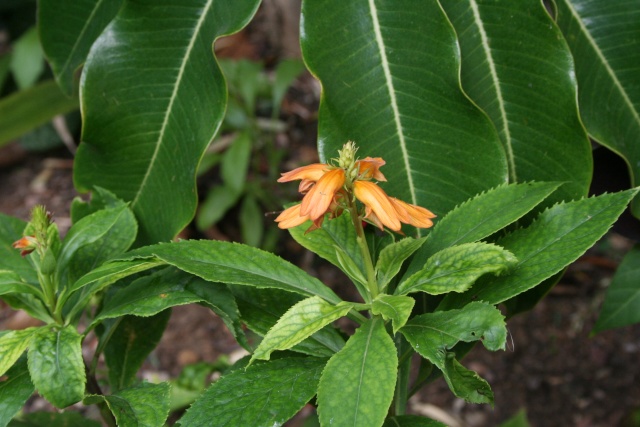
372 283
94 388
404 370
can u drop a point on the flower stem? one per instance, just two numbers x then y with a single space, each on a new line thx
372 283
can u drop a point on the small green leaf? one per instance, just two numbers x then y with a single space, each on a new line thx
286 72
357 385
262 308
12 345
336 232
101 199
411 421
14 391
235 162
391 258
11 283
129 345
217 202
144 405
233 263
349 267
394 308
67 46
263 395
456 268
93 240
251 221
482 216
518 420
27 61
557 238
56 365
622 302
298 323
464 383
11 230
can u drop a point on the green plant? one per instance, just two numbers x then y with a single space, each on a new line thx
472 104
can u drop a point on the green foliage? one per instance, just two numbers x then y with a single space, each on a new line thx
14 391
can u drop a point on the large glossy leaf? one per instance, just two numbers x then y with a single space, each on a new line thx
66 46
622 303
390 79
603 37
153 97
517 68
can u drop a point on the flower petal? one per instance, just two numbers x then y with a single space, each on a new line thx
378 202
291 217
369 167
418 216
311 172
318 199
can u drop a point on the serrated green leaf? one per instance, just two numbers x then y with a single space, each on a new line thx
66 46
12 345
133 339
482 216
262 308
383 89
621 306
518 69
233 263
144 405
235 162
394 308
557 237
162 110
93 240
603 38
456 268
411 421
298 323
27 109
433 334
357 385
338 232
14 391
149 295
56 365
263 395
391 258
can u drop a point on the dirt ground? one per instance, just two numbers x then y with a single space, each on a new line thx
552 367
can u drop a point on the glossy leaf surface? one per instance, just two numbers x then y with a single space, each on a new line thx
391 258
518 69
357 385
161 110
12 345
396 308
390 80
603 37
66 46
263 395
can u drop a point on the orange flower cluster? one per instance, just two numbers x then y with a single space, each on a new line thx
326 187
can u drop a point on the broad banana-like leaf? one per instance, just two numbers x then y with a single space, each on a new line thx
153 97
604 37
519 70
390 81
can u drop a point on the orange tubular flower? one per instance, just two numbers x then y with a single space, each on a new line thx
28 244
330 189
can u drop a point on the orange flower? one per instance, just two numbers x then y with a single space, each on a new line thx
28 244
330 189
